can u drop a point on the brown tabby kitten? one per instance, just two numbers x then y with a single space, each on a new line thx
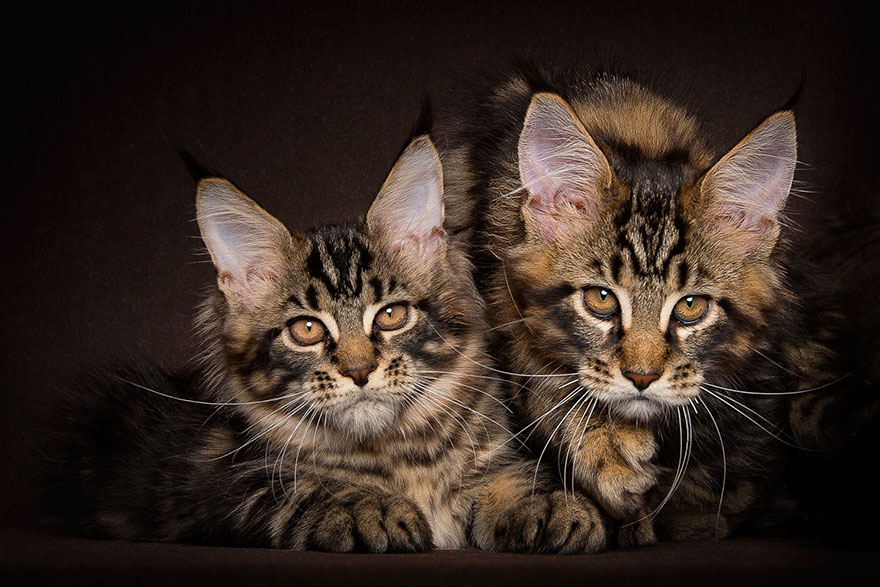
340 404
638 285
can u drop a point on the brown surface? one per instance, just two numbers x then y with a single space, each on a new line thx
33 558
306 109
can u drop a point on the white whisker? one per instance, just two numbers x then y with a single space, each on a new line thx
729 403
796 392
723 462
488 368
550 439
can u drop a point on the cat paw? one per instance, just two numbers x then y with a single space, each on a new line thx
372 523
556 523
678 526
621 489
637 532
614 467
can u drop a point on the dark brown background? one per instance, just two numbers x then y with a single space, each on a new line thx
305 107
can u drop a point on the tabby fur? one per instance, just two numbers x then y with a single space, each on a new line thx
366 439
563 183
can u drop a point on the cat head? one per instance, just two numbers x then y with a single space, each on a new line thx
346 325
646 271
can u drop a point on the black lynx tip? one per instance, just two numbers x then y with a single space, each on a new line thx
423 126
795 98
425 122
538 76
196 170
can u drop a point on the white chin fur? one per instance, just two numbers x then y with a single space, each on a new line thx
365 418
641 410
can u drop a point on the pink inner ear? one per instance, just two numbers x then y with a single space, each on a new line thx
579 203
250 281
749 186
408 213
550 213
543 217
738 219
560 166
750 203
754 222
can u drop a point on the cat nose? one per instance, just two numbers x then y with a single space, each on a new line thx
641 380
360 375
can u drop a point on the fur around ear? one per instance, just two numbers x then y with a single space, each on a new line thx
561 167
248 246
407 215
747 189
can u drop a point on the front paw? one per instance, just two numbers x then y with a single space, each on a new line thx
637 532
555 522
682 525
620 489
614 466
368 523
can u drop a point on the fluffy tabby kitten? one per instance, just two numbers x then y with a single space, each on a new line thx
639 285
339 404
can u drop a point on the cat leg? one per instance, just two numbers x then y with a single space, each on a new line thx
326 514
515 513
696 510
613 465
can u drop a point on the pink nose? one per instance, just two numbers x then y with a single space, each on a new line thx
360 375
641 380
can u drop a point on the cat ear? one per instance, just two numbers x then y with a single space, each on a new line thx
560 166
747 189
407 215
248 246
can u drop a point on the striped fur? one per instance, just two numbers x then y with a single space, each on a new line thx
367 440
619 190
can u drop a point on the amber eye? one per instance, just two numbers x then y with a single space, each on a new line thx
307 331
691 309
392 317
601 301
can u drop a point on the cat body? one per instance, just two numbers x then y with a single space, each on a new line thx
340 402
642 292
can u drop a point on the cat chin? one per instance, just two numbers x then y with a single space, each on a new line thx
638 410
365 418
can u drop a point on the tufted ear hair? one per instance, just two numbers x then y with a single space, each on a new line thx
748 187
407 215
561 167
249 247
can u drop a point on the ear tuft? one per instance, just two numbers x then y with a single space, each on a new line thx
249 247
561 167
747 189
407 215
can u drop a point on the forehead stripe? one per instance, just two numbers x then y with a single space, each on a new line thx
378 289
683 273
340 263
366 258
312 297
653 229
350 258
316 269
616 265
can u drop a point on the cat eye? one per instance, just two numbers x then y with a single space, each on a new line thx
601 301
392 317
691 309
307 331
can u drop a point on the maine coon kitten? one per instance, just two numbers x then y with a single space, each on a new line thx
340 404
639 287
